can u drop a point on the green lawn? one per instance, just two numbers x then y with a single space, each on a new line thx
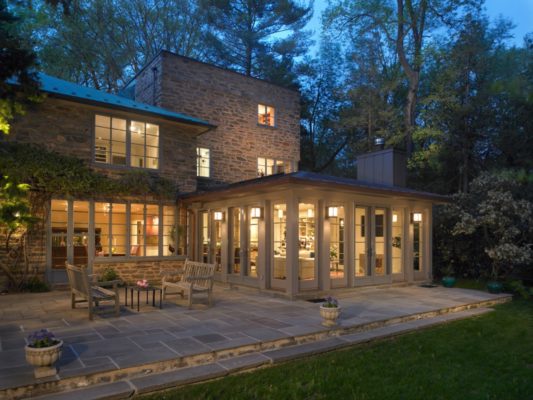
488 357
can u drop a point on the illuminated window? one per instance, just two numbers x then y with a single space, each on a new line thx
270 166
265 115
122 142
202 162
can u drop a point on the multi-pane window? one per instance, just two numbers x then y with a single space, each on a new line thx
118 141
202 162
265 115
270 166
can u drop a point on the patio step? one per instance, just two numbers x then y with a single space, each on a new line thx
185 376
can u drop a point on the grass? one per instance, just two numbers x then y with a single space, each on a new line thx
488 357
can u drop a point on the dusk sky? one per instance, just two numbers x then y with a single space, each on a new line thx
520 12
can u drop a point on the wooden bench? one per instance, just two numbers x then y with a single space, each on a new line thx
81 285
195 277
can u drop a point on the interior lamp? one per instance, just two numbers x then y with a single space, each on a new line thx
280 213
394 217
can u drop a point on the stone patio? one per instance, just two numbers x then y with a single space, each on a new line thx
243 330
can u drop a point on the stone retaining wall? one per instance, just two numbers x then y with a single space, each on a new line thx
132 271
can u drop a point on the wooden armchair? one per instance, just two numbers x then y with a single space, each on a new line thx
195 277
82 286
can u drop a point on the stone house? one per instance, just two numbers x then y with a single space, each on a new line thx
231 144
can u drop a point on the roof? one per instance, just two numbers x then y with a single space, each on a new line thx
72 91
312 179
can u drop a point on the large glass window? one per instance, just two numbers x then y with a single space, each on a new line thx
266 115
112 136
270 166
204 222
59 222
361 264
379 223
235 252
306 230
253 244
217 240
418 242
279 240
169 231
202 162
336 245
396 241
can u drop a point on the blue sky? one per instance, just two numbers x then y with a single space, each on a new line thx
520 12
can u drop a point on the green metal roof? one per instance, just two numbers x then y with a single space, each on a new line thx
75 92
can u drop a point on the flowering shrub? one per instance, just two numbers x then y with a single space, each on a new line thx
331 302
42 338
142 283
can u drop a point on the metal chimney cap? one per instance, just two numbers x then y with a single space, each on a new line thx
379 141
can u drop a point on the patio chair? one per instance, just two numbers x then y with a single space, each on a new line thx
83 286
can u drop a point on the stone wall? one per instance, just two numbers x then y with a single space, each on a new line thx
132 271
66 127
228 100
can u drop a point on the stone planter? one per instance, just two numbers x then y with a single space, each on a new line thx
448 281
330 315
43 359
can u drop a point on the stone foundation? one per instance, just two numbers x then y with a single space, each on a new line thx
132 271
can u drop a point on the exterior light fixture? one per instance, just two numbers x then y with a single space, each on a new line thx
218 216
310 213
280 213
394 217
333 212
416 217
256 212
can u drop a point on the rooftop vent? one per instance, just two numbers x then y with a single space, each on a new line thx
383 167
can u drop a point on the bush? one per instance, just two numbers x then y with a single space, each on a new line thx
109 275
517 288
35 285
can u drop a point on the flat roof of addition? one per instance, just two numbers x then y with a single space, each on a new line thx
311 179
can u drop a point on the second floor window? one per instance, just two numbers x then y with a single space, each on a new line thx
118 141
270 166
202 162
265 115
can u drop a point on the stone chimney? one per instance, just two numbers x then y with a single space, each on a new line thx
383 167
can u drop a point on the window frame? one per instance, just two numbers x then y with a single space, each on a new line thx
266 108
128 143
276 163
198 158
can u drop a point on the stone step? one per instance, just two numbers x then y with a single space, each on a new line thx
110 391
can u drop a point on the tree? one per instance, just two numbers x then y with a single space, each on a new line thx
243 34
406 24
16 61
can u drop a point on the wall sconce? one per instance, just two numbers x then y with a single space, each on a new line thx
218 216
310 213
394 217
256 212
332 212
416 217
280 213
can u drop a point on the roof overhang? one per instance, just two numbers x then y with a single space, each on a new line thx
308 180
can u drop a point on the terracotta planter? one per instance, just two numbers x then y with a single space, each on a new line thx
43 359
330 315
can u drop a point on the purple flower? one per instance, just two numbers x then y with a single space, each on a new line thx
331 302
42 338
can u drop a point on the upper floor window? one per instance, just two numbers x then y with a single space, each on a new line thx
202 162
270 166
118 141
265 115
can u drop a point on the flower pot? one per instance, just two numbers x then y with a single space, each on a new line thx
495 287
43 358
448 281
330 315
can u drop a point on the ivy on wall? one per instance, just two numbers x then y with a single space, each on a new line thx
32 176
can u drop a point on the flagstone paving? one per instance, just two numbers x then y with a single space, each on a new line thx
166 338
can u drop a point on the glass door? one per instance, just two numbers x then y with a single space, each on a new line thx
279 246
69 222
307 275
336 248
235 242
252 249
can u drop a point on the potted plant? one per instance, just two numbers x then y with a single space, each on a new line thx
448 280
42 351
330 311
